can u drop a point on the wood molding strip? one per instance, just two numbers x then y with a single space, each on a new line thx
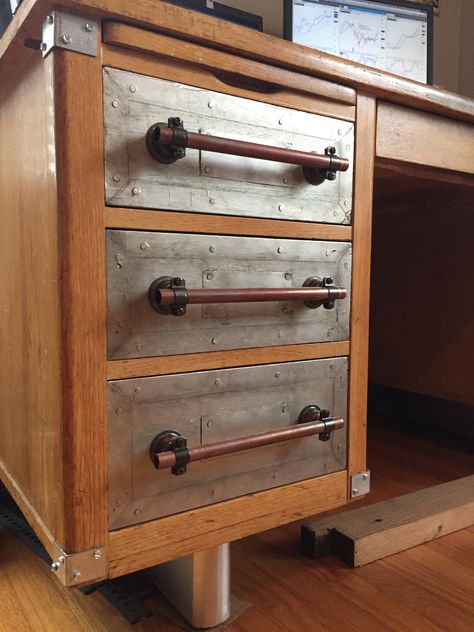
147 367
158 541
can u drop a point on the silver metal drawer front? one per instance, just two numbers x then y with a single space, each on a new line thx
212 183
135 259
211 406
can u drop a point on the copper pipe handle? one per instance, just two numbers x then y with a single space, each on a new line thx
167 143
169 449
169 295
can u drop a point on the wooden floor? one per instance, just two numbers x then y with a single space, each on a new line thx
430 587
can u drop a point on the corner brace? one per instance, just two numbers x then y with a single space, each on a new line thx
71 32
360 484
77 569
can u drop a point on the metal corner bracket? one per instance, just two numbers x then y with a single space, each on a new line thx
71 32
360 484
77 569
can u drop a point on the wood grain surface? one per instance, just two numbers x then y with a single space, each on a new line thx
30 332
78 99
203 29
362 235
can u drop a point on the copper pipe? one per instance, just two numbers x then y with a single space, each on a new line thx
253 295
231 446
251 150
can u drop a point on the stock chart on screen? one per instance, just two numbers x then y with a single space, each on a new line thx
383 35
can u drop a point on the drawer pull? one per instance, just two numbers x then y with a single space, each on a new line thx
169 448
167 143
169 295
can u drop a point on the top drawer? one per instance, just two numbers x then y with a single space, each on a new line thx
207 182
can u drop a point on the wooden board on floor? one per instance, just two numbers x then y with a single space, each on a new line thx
373 532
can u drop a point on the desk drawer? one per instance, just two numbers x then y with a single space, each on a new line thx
136 259
207 182
211 406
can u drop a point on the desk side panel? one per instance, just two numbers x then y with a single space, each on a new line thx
30 393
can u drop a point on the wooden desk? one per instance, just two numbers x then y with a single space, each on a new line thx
54 368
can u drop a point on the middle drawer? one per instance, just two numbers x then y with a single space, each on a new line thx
135 259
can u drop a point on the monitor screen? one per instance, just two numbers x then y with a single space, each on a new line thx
392 35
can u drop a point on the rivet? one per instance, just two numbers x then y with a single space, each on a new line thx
209 276
139 347
75 575
279 250
214 341
207 169
144 245
339 132
138 389
212 201
277 375
137 511
281 207
280 121
210 104
285 180
119 411
115 103
89 27
135 191
331 366
210 423
279 334
116 178
217 382
284 407
96 554
212 249
132 87
330 333
288 276
66 39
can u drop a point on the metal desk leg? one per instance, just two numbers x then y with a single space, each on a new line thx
198 585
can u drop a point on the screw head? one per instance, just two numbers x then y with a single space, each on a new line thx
144 245
132 87
281 207
75 575
66 39
217 382
210 104
288 276
209 276
89 27
285 180
212 201
355 492
115 103
277 375
365 476
207 169
50 19
135 191
212 249
55 566
279 250
116 178
96 554
214 341
331 175
210 423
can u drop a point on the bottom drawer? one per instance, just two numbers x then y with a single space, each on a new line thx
211 406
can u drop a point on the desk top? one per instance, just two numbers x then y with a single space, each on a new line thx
197 27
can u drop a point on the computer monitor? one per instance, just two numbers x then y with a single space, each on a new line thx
392 35
222 11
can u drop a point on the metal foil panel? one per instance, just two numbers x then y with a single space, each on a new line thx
136 258
214 183
210 406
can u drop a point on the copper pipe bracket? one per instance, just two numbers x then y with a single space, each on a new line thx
169 448
169 295
167 143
